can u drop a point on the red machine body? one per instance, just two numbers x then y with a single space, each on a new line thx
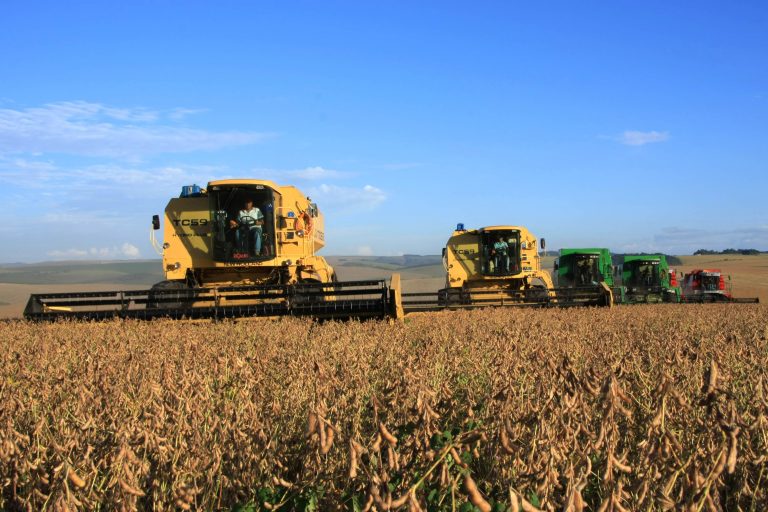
706 284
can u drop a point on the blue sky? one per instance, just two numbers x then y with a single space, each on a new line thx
639 126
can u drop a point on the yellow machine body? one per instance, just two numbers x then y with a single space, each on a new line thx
472 262
200 244
237 248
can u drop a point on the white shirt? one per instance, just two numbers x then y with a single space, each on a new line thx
254 214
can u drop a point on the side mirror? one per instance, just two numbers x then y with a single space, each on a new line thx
543 244
557 266
155 222
443 252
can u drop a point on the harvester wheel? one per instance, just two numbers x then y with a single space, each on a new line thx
169 295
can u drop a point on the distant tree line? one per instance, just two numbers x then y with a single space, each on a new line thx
708 252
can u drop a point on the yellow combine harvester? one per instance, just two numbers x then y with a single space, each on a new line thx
236 248
499 266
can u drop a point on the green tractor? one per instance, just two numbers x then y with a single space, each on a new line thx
584 268
647 279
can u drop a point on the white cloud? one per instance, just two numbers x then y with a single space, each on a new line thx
180 113
67 254
92 129
126 250
365 250
67 217
33 165
37 174
348 198
315 173
688 240
636 138
130 250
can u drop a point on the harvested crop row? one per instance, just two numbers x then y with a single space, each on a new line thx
621 409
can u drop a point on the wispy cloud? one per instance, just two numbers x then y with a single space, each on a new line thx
126 250
637 138
687 240
344 198
365 250
38 174
329 196
315 173
348 198
178 114
93 129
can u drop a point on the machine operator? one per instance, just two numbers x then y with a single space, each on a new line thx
248 226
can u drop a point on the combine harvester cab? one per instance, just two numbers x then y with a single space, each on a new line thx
497 266
238 248
587 272
647 279
709 285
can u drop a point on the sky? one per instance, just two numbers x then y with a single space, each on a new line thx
637 126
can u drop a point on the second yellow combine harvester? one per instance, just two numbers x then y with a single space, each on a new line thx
500 266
